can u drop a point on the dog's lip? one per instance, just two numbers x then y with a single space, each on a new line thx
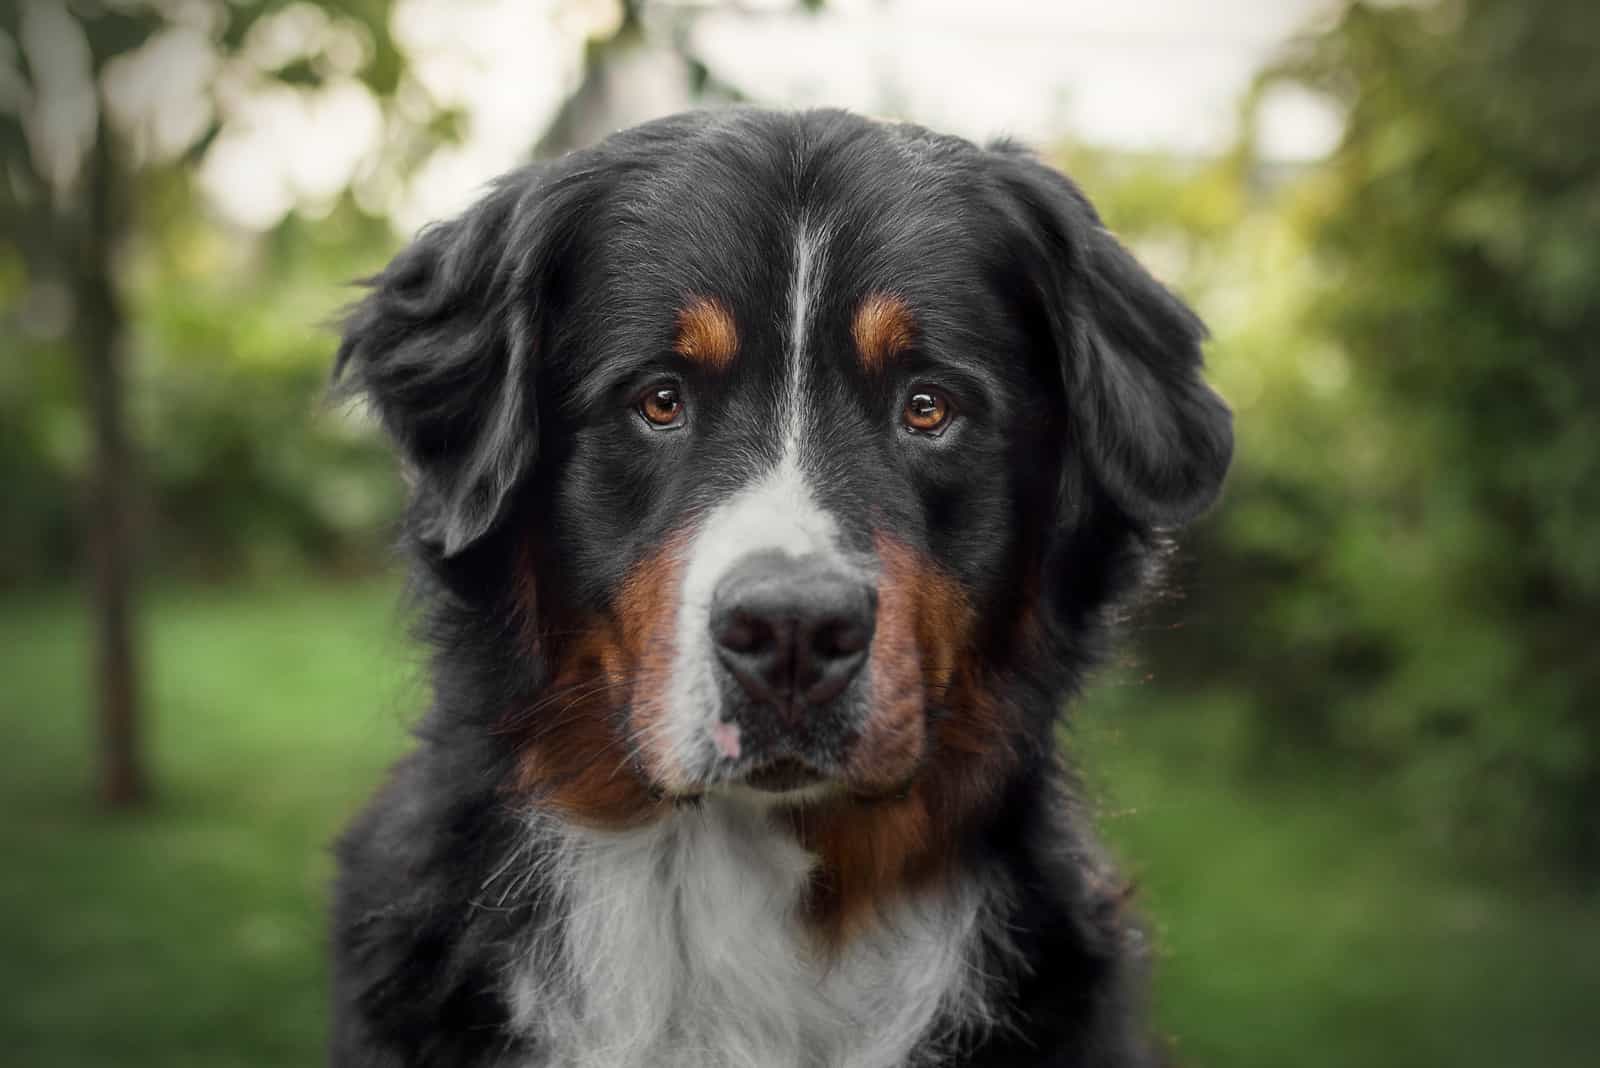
783 775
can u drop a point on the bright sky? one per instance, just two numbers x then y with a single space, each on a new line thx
1134 74
1138 74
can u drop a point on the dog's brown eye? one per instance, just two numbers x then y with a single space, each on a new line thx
662 406
927 411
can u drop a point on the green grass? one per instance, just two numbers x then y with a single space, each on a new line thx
1300 924
1297 925
190 934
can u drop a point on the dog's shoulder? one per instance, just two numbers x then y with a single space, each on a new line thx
1075 957
417 953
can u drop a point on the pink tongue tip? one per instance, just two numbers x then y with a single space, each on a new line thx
726 737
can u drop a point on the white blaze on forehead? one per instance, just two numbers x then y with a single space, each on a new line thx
805 279
778 511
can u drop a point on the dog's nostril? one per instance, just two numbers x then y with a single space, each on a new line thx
741 634
840 638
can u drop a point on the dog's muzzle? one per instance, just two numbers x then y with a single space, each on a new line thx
790 635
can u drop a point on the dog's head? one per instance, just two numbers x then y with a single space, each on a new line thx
789 452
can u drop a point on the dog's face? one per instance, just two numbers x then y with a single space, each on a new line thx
789 443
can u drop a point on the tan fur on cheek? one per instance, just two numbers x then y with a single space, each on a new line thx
647 611
582 742
950 768
891 743
573 759
923 622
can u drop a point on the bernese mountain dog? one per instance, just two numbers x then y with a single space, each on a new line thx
774 480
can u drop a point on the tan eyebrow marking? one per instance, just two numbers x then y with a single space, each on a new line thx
883 329
706 333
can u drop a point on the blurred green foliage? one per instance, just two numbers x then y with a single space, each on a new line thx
245 465
1459 231
239 464
1406 571
251 464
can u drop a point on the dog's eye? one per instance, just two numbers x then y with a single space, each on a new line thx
927 411
662 407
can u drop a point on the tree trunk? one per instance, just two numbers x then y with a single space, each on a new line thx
99 335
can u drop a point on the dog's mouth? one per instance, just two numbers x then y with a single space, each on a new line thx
783 775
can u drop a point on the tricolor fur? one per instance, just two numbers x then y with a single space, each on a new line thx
775 480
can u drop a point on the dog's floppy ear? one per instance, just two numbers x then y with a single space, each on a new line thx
445 347
1156 437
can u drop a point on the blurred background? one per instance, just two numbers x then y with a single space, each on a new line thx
1352 755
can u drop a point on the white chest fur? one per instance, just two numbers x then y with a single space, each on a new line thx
681 946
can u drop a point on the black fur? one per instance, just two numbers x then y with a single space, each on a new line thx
499 350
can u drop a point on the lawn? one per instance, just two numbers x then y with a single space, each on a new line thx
1297 925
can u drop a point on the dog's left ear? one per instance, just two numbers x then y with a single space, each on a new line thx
1156 437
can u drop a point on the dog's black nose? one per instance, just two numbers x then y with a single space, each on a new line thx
792 631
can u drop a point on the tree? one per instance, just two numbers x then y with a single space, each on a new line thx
70 226
645 34
70 198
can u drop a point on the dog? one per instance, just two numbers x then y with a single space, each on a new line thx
774 480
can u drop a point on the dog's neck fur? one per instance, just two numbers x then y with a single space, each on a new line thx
682 944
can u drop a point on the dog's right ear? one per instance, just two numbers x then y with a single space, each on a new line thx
445 348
